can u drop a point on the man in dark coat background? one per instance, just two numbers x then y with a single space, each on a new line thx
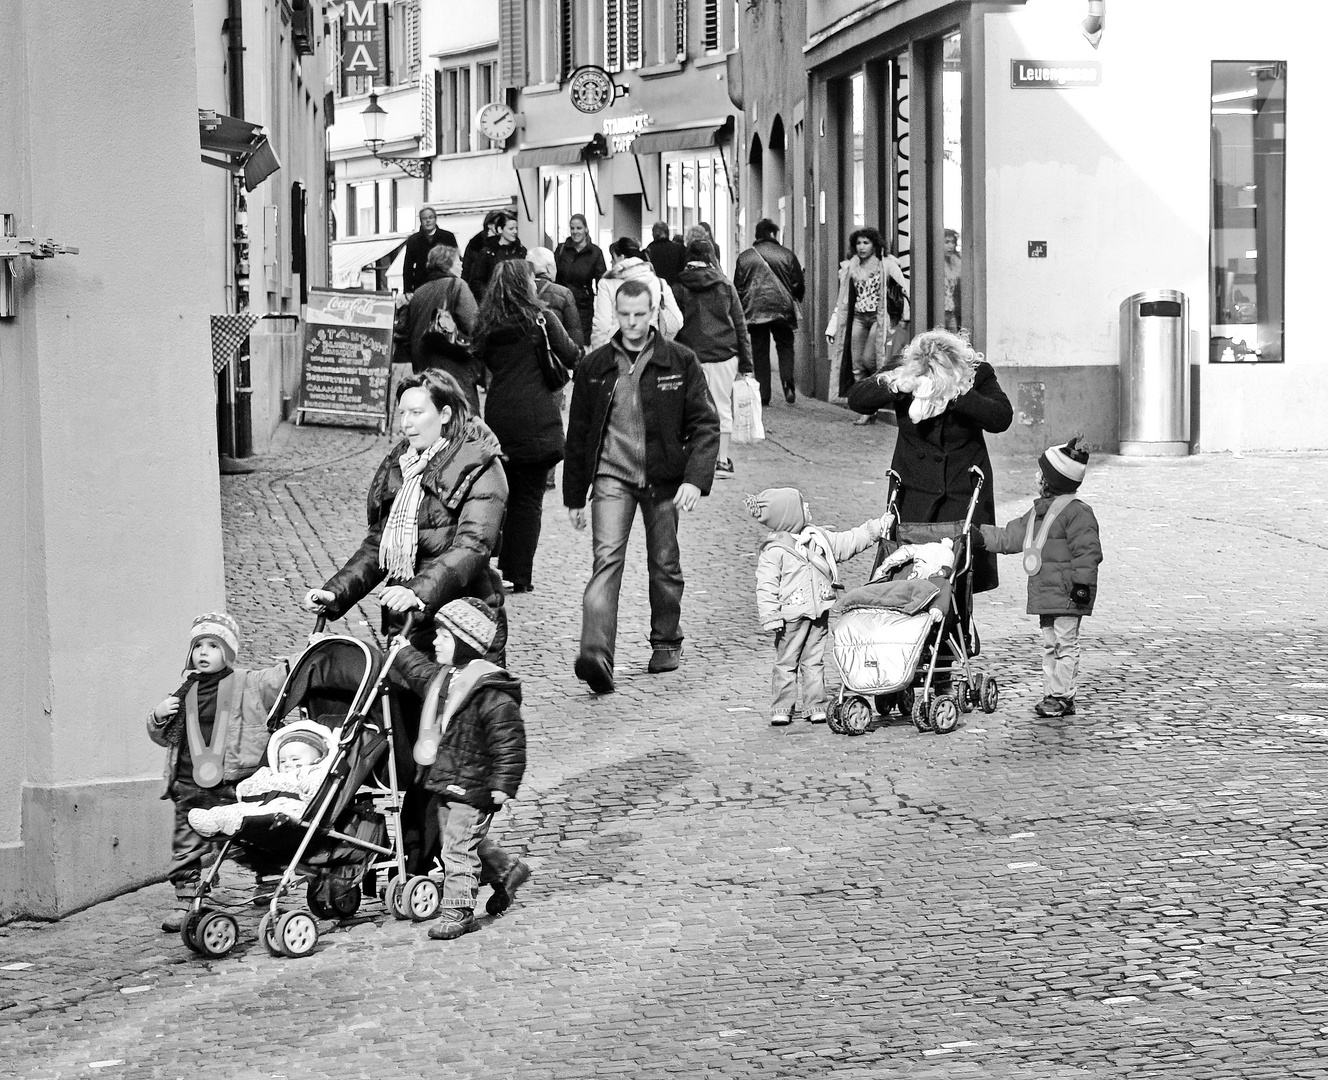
666 255
418 245
770 282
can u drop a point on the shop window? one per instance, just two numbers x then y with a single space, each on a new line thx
696 189
1247 239
952 186
566 192
710 32
454 111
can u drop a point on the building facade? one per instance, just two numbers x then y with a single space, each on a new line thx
1168 154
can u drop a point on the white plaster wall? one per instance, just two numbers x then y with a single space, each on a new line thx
1116 180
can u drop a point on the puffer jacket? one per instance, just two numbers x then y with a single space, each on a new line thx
1070 556
713 325
246 740
483 743
668 318
793 580
770 281
460 520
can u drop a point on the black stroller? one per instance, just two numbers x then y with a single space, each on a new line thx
910 645
350 831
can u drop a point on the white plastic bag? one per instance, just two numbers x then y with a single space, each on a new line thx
747 425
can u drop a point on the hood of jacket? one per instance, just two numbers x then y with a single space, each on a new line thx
697 278
630 269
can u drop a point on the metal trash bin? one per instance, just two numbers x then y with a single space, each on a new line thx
1155 374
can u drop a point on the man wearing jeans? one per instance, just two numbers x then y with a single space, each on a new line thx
642 433
769 280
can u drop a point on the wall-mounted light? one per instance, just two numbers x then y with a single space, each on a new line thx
375 130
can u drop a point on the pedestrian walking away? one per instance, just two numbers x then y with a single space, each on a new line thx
714 327
1062 549
471 750
439 322
214 728
797 583
557 298
529 357
642 434
414 268
770 281
628 265
666 255
580 266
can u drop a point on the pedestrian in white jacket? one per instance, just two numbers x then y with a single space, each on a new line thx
628 265
797 576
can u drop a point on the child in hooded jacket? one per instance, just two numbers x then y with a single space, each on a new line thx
797 577
1062 550
471 757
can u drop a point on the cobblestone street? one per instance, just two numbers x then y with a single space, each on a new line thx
1134 891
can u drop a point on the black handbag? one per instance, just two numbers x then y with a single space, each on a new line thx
443 336
556 373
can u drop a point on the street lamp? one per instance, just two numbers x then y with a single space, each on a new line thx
375 128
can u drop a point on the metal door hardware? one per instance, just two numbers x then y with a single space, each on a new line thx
11 247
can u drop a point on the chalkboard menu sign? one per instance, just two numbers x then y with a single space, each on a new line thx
346 362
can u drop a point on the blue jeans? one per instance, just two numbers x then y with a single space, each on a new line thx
612 511
470 859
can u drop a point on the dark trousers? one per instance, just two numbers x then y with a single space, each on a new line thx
526 485
612 511
761 333
188 849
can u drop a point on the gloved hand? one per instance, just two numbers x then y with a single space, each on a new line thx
1080 594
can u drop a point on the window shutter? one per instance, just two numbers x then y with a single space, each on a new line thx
631 33
512 43
710 37
613 35
680 28
412 51
566 40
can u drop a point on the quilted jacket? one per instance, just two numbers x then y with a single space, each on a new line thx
1070 556
793 583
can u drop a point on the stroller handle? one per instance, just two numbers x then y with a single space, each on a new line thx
320 623
408 627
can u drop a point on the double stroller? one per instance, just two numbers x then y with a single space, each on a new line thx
350 832
909 644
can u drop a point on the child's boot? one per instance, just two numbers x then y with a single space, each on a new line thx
780 719
505 888
175 917
1053 706
453 923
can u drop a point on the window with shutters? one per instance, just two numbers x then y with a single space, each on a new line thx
566 40
403 34
512 62
710 32
613 35
352 221
486 92
632 46
680 28
454 109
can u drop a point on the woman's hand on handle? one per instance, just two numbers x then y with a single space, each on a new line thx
398 599
316 600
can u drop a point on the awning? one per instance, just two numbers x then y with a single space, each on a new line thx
349 257
535 156
243 147
692 138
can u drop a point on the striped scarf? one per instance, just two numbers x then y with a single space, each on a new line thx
396 551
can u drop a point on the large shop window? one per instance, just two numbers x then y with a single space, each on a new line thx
566 192
697 189
1248 227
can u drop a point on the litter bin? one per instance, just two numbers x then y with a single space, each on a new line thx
1155 374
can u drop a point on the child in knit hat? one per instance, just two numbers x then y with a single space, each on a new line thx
471 750
215 730
797 575
1059 541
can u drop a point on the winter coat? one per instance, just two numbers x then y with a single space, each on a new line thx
520 408
682 426
483 743
605 321
668 258
933 458
486 260
840 326
246 739
460 518
1070 556
713 325
793 580
580 271
415 267
444 292
473 246
769 279
563 304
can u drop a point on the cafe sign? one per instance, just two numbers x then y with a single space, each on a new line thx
1054 74
621 131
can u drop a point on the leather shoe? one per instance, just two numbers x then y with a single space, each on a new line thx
662 660
597 674
504 890
790 394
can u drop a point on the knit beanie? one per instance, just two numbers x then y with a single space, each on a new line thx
471 623
1063 467
778 509
214 624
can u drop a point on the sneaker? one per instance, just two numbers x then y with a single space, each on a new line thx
780 719
597 674
174 920
724 469
1052 705
817 716
453 924
504 890
662 660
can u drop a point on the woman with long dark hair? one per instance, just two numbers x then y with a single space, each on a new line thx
529 357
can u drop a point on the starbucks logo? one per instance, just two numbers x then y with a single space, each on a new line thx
592 89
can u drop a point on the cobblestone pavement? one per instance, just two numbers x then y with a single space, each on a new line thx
1136 891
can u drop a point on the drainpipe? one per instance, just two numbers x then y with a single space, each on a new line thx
235 51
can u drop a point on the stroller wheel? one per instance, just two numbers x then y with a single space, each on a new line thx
944 715
964 695
906 697
422 899
321 909
345 900
990 694
396 895
267 935
190 925
921 713
297 933
216 934
834 718
856 716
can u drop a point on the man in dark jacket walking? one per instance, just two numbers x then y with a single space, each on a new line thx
769 280
414 270
666 255
644 433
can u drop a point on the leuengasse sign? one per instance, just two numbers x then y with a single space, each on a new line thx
1054 74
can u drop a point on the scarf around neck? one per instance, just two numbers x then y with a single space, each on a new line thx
396 551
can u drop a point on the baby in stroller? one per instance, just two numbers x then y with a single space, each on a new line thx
301 751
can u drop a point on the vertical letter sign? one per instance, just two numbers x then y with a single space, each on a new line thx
362 42
346 362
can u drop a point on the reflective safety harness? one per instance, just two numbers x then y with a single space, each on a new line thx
1033 547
